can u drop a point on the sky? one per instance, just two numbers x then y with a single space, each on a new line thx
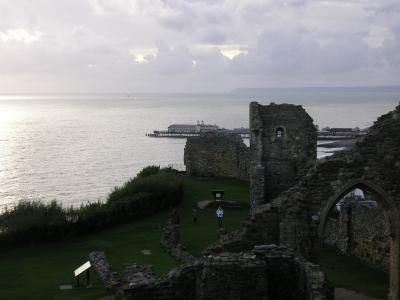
206 46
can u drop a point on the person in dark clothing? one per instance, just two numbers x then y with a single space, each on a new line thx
174 217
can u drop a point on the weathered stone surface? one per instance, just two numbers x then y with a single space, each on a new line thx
300 213
170 242
295 218
362 232
283 145
266 272
103 269
220 155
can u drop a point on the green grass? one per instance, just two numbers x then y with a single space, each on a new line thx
35 272
350 273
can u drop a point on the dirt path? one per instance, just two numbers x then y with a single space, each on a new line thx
344 294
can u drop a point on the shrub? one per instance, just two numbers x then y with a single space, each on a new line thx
147 171
148 193
161 184
32 213
31 221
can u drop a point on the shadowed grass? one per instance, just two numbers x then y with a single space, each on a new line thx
350 273
35 272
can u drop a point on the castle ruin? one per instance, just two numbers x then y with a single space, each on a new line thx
297 217
219 155
275 254
283 146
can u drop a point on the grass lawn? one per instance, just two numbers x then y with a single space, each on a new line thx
36 272
347 272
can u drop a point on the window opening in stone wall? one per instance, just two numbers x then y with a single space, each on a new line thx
279 133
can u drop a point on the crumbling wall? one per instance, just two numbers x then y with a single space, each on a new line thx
220 155
265 272
362 232
104 271
299 214
283 146
170 242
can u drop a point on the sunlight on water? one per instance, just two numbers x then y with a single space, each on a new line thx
76 148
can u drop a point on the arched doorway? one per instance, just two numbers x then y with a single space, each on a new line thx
390 212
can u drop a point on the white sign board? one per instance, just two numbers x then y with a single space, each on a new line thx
82 268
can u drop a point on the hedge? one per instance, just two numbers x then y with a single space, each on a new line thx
150 192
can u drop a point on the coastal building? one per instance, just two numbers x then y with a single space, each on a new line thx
191 128
182 128
345 131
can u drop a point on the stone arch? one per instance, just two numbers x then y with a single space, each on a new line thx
391 214
383 199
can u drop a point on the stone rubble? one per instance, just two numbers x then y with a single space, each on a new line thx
104 270
170 242
266 272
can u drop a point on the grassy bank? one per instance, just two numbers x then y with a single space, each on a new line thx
35 272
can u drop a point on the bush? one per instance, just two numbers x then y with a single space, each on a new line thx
29 213
31 221
161 184
147 171
148 193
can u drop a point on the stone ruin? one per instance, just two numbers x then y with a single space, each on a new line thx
298 216
360 231
219 155
107 275
265 272
283 146
247 264
170 242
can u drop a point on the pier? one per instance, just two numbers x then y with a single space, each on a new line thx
245 133
168 134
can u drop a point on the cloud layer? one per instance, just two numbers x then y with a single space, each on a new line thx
196 45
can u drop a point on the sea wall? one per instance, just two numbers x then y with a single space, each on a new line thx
219 155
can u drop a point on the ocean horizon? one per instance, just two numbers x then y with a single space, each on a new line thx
75 148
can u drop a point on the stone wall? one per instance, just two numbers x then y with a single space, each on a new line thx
104 271
170 242
300 213
219 155
283 145
362 232
265 272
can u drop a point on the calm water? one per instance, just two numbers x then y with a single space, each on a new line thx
76 148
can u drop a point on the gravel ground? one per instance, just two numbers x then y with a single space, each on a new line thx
344 294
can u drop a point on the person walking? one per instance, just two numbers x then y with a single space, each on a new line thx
174 217
220 215
194 214
174 221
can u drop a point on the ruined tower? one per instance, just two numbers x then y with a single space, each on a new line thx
283 145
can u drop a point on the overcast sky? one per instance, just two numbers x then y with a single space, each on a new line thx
196 45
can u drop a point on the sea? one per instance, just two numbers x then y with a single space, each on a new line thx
75 148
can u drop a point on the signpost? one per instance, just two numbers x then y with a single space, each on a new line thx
85 267
218 194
